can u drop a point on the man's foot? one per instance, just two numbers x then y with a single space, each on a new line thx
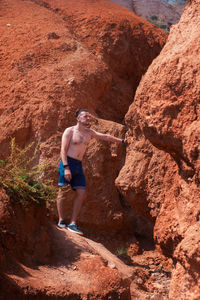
73 228
62 224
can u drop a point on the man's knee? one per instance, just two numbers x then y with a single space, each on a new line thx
82 193
63 192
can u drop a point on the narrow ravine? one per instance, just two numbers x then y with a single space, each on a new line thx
57 57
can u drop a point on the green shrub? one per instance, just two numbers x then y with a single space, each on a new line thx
23 182
121 251
162 26
154 17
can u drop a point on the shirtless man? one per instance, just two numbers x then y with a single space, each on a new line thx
75 140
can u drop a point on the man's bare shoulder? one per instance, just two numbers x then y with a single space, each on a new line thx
68 130
91 131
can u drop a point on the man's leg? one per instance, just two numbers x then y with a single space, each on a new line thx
80 197
60 204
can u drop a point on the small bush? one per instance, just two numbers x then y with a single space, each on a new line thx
22 182
155 18
162 26
121 251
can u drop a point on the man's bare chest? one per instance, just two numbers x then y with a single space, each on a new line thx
79 138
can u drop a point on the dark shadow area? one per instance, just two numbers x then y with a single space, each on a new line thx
146 244
174 147
63 252
128 261
14 267
9 290
198 216
169 247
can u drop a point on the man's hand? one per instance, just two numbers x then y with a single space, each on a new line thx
67 174
107 137
124 141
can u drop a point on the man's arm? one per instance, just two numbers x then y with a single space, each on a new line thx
66 137
106 137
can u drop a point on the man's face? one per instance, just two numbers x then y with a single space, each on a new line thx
84 118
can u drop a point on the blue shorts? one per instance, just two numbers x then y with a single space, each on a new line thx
78 177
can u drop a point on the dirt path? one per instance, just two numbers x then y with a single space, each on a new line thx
77 268
82 267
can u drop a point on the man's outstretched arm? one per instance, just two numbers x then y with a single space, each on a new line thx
106 137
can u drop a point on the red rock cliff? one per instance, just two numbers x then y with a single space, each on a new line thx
161 174
58 56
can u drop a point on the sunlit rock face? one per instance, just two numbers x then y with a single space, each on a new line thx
161 178
66 57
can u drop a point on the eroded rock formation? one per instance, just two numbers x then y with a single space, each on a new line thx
40 261
58 57
160 178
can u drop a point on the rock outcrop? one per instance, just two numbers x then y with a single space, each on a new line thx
166 12
162 13
160 178
58 56
89 54
40 261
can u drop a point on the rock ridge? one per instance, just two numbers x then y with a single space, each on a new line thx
162 163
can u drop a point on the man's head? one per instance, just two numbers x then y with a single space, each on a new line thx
83 117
